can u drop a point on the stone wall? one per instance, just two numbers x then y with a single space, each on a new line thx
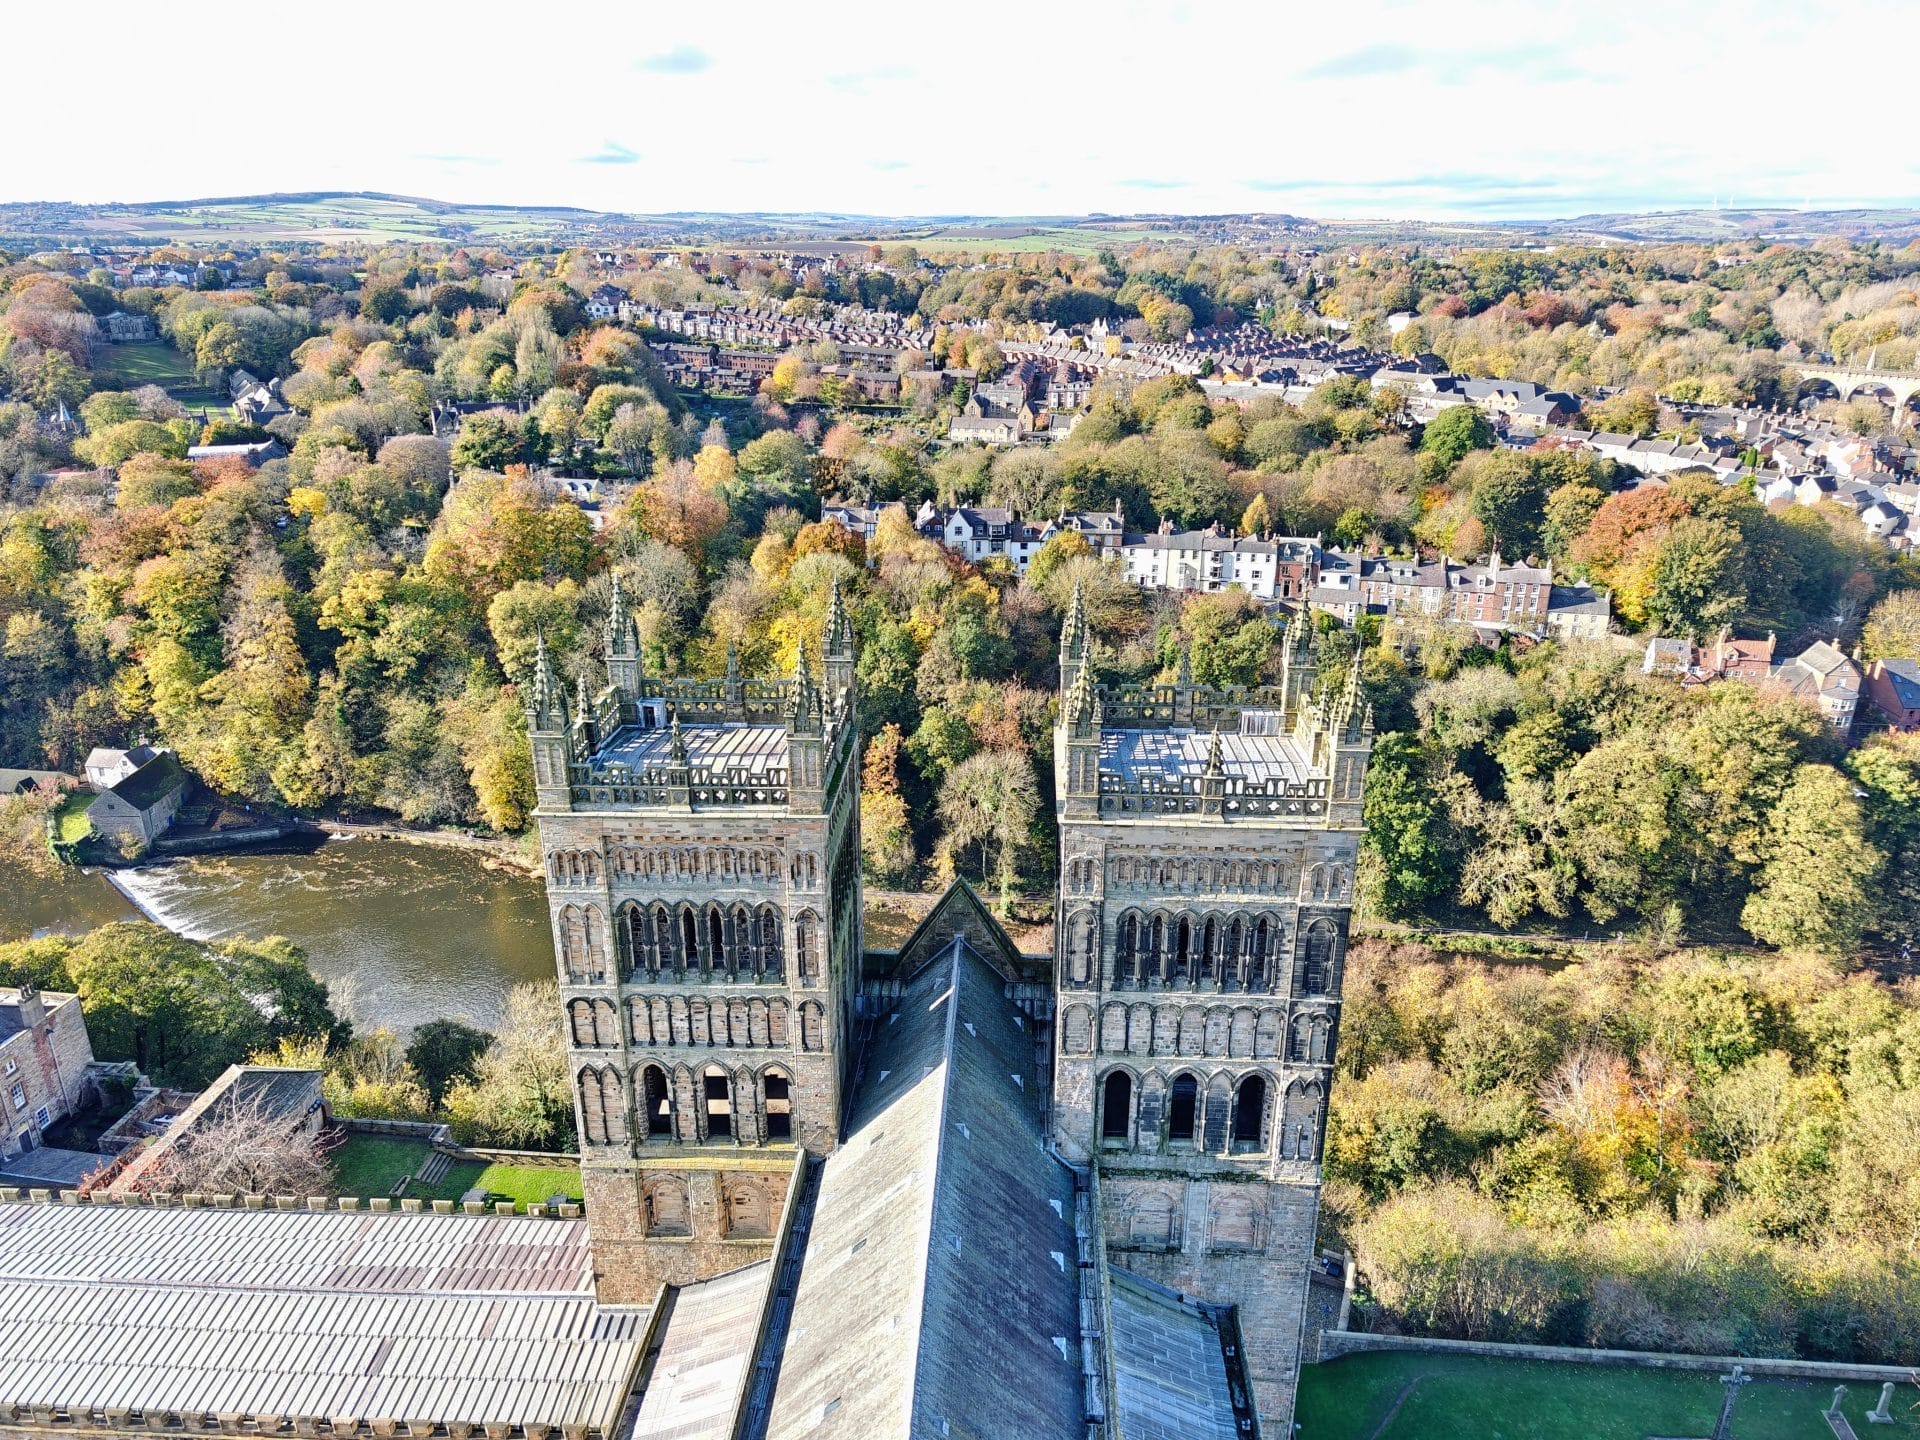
683 1218
45 1062
1209 1254
1336 1343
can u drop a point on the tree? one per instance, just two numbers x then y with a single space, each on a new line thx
490 440
1887 768
1632 412
886 835
989 801
1696 579
443 1052
1509 500
519 1095
184 1011
243 1147
1815 886
1455 431
1257 519
1406 863
1892 631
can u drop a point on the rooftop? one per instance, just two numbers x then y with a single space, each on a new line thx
939 1285
698 1377
757 750
1169 1366
1171 755
449 1318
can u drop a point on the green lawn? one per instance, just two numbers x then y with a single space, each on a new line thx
154 362
371 1165
70 823
1474 1398
524 1184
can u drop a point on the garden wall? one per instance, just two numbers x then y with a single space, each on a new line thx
1335 1343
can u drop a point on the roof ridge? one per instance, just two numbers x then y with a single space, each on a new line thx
947 1044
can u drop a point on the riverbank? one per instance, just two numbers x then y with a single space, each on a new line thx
516 853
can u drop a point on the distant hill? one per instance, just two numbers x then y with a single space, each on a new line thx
347 216
1894 226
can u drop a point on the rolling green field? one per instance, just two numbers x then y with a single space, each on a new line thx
1072 240
1459 1397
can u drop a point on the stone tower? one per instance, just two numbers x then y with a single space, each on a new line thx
701 844
1208 840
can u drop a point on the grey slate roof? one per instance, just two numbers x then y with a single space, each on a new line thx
152 782
706 1349
1904 677
940 1291
1169 1368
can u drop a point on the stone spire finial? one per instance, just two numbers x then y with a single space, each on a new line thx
676 742
837 636
546 704
1081 701
582 707
621 631
1073 630
1216 762
803 700
1185 676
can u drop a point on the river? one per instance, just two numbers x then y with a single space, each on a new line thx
400 932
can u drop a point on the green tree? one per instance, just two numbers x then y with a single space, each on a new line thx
444 1052
1815 887
989 801
1892 631
1405 861
1697 583
1455 431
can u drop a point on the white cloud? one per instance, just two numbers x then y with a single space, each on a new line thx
1012 106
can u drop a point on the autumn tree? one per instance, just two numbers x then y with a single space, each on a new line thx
988 802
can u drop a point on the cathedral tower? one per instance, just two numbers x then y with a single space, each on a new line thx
701 844
1208 840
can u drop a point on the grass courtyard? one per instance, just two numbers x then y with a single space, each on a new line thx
154 362
1460 1397
373 1165
70 822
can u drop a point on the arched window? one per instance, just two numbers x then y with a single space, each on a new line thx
689 939
1116 1106
1249 1113
1316 974
745 957
1257 955
1298 1039
639 954
806 945
580 1012
657 1100
776 1103
1183 951
1129 949
663 952
1155 968
1209 948
1183 1105
716 1096
717 956
770 958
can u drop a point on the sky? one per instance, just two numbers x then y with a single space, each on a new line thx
1473 109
